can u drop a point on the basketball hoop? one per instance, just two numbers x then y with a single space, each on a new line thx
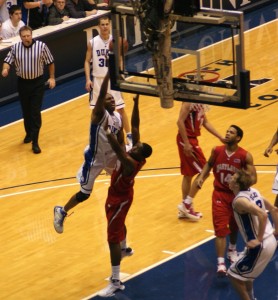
202 75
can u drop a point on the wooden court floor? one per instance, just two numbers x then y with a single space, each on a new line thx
37 263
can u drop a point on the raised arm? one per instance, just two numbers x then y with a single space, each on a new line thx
135 120
126 161
99 110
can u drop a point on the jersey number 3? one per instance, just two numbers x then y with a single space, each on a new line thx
102 62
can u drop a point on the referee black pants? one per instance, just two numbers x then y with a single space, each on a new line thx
31 92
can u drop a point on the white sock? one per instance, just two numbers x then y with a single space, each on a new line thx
220 260
188 200
116 272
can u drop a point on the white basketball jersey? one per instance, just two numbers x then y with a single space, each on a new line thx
100 49
248 224
4 9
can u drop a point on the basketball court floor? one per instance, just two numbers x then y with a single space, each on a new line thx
174 258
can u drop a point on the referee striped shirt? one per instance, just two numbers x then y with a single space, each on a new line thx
29 61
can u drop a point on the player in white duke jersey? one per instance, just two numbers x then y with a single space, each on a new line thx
257 232
97 51
98 155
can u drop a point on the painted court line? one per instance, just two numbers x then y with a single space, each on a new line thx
102 180
159 263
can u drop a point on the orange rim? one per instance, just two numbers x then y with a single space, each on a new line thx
206 75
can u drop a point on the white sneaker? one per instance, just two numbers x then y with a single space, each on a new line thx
113 286
221 270
182 215
127 252
188 211
59 218
232 256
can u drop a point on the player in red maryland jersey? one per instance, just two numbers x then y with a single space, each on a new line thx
225 160
120 197
192 118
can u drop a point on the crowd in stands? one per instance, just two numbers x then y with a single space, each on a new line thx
38 13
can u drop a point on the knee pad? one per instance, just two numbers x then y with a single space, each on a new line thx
80 197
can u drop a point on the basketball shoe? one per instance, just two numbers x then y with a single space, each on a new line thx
232 255
221 270
127 252
187 211
113 286
59 218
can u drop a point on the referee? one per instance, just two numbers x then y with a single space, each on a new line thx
29 57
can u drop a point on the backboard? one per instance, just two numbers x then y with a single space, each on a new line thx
197 54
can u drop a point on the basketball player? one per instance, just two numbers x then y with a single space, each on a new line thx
120 197
257 232
98 155
97 51
225 160
192 160
267 152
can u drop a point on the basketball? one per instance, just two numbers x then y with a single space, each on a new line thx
123 46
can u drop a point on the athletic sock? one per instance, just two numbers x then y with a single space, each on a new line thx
188 200
116 272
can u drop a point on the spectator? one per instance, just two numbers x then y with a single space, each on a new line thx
10 27
38 11
80 8
4 9
29 57
58 13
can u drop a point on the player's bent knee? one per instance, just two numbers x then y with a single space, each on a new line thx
222 233
80 197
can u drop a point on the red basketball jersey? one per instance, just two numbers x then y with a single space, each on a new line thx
123 185
194 120
225 165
